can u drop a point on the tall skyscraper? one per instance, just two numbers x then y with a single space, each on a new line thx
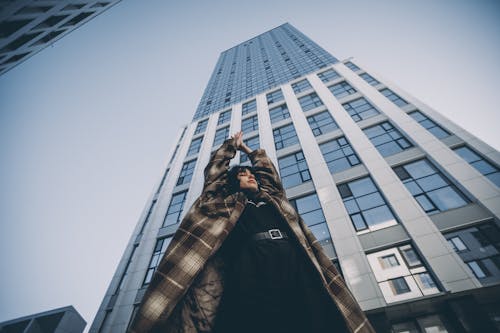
405 202
28 26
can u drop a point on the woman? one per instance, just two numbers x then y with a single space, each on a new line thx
243 260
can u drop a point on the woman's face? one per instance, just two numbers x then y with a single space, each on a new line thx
247 181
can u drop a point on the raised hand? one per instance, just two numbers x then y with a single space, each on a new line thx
238 139
238 142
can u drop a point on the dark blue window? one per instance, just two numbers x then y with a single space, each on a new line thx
387 139
194 147
328 75
250 124
186 172
285 136
274 97
365 205
249 107
360 109
175 208
279 113
429 125
301 86
342 89
322 123
202 125
486 168
429 187
368 78
252 143
393 97
159 251
352 66
220 136
309 102
309 208
293 169
339 155
224 117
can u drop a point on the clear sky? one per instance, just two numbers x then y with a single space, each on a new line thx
86 124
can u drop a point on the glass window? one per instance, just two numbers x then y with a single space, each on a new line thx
393 97
479 248
456 244
389 261
368 78
252 143
429 125
285 136
328 75
309 102
429 187
195 146
478 268
399 286
410 256
342 89
352 66
425 281
301 86
339 155
365 205
387 139
249 107
159 251
399 275
224 117
175 152
250 124
360 109
309 208
186 172
202 125
486 168
279 113
175 208
322 123
274 97
220 136
491 235
293 169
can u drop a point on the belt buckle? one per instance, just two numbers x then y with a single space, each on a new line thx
275 234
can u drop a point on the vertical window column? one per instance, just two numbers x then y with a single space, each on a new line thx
159 251
309 208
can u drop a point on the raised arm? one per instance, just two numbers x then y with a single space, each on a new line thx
263 166
216 169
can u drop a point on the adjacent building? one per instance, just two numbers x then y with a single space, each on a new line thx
405 202
62 320
28 26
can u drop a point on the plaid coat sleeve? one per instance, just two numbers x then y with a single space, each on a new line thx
187 263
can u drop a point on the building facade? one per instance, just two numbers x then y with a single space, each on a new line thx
405 202
62 320
28 26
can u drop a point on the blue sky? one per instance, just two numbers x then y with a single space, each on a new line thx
86 124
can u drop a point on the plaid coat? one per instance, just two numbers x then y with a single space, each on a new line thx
187 286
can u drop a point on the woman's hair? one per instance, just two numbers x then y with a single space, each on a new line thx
232 177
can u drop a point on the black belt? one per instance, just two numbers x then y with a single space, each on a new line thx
270 234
